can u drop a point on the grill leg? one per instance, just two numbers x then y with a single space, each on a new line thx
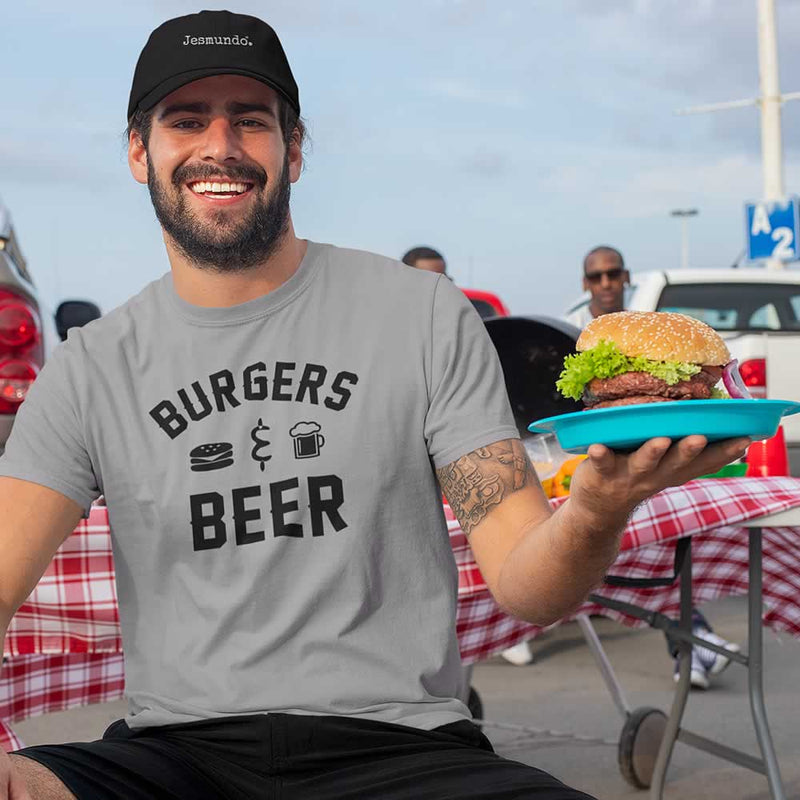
682 689
604 665
755 668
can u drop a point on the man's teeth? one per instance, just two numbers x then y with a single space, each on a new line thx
201 187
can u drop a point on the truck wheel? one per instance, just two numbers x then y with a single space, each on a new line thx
638 745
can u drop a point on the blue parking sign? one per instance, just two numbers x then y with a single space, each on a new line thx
772 230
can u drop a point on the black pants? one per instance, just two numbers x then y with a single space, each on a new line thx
293 757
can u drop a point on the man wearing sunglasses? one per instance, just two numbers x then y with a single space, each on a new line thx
605 278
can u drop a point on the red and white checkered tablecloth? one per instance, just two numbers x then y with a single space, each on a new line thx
63 647
73 608
707 510
39 684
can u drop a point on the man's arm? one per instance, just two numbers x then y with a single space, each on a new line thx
34 521
538 564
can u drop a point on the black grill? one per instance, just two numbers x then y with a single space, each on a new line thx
532 351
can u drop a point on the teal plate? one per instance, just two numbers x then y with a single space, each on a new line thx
628 427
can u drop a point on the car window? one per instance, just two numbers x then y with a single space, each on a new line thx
765 317
483 308
736 306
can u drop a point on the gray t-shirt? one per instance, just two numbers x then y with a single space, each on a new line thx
278 531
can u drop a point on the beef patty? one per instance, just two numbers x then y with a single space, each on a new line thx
642 387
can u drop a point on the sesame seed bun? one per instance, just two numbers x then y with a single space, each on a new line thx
657 335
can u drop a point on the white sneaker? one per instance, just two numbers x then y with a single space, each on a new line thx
519 655
698 677
714 662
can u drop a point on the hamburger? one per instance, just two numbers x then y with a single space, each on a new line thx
632 357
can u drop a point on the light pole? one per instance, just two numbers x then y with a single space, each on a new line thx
683 214
769 101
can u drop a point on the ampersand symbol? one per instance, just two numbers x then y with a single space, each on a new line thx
258 436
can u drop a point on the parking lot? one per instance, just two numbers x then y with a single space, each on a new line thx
562 691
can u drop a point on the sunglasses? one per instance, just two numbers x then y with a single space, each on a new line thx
611 274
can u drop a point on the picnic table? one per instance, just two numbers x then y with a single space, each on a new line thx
711 511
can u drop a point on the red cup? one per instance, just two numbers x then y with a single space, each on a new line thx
768 457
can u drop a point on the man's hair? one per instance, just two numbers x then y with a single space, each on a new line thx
288 118
605 250
417 253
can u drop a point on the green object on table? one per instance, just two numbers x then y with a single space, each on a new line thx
729 471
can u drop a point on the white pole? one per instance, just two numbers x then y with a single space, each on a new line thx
771 145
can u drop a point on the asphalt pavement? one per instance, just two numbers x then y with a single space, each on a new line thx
562 693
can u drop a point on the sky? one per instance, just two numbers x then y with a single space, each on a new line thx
511 136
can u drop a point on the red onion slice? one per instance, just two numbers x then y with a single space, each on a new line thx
734 384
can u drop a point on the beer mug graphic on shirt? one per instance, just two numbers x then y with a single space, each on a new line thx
308 440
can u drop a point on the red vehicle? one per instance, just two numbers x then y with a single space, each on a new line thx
486 303
28 331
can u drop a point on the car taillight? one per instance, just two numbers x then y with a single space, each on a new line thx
754 375
21 349
17 325
16 378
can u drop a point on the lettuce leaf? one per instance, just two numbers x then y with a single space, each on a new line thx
606 361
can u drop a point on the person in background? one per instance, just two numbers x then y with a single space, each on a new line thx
605 278
426 258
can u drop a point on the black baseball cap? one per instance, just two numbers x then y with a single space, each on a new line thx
185 49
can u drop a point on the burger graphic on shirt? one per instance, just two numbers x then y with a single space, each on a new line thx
207 457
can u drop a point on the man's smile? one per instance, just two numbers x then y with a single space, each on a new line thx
220 190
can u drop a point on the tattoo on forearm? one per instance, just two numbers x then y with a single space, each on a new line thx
478 481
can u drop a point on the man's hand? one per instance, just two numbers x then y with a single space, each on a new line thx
615 483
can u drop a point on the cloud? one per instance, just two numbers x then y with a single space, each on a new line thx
706 49
454 89
642 187
644 59
485 163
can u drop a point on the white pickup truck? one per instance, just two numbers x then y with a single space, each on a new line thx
756 311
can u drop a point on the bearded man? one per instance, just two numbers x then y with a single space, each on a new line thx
270 424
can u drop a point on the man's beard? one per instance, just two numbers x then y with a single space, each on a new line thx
220 244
